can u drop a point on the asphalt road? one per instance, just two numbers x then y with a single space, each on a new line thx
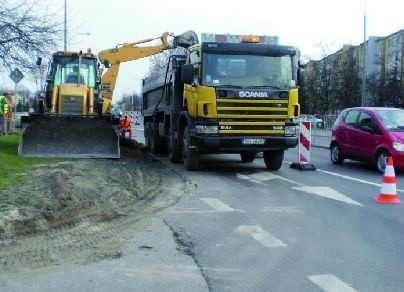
248 229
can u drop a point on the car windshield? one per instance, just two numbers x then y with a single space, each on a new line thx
392 120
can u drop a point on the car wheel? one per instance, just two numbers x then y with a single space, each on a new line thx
381 161
335 154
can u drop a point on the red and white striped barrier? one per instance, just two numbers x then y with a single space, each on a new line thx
304 142
304 147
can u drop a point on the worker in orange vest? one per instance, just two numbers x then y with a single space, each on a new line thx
126 127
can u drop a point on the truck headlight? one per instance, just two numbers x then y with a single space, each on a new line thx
204 129
290 130
398 146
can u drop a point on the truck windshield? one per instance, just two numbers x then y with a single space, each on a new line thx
248 71
66 71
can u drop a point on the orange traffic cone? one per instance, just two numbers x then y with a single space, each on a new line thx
388 193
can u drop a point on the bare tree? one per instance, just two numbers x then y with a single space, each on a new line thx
159 62
26 33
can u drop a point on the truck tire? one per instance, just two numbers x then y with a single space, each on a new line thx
273 159
190 156
156 142
248 156
173 148
147 131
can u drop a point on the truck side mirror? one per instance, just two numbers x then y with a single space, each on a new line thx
301 77
187 73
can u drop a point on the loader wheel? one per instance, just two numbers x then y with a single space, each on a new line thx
173 148
190 156
273 159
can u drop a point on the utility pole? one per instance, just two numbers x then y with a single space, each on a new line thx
363 88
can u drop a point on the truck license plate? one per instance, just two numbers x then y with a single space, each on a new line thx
253 141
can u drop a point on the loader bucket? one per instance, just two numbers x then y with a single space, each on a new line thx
69 137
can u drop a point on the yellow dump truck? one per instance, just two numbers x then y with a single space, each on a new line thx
228 94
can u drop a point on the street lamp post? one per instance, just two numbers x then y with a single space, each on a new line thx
65 31
76 34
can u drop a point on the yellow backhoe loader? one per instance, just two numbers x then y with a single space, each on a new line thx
73 116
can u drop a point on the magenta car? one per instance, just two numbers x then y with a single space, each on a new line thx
369 134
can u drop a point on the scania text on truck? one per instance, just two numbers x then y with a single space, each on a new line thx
228 94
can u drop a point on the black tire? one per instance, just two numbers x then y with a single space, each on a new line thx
381 161
335 154
273 159
147 131
173 148
190 156
156 142
248 156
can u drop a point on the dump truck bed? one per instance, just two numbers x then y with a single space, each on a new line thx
69 137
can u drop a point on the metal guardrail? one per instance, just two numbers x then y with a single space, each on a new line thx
321 136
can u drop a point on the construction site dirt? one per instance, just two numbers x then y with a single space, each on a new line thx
82 210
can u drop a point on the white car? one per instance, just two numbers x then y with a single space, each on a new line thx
315 122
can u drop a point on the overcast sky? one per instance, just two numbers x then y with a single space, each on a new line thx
307 24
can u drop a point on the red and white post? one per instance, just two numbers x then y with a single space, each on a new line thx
304 147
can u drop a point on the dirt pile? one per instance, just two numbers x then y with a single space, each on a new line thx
80 210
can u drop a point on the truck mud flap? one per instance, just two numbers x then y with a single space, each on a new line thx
69 137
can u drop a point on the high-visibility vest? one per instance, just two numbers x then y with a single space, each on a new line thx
126 123
2 102
8 107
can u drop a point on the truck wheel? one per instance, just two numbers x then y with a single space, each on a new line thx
147 132
173 148
273 159
156 142
248 156
190 156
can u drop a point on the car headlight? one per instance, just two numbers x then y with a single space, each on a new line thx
398 146
205 129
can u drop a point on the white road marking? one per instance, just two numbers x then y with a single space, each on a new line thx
260 235
328 193
285 209
261 176
355 179
247 177
219 205
330 283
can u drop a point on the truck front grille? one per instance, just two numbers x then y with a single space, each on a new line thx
255 117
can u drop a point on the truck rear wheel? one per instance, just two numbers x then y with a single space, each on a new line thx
248 156
273 159
190 156
147 131
173 148
156 142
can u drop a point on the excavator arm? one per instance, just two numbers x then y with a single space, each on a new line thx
112 58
